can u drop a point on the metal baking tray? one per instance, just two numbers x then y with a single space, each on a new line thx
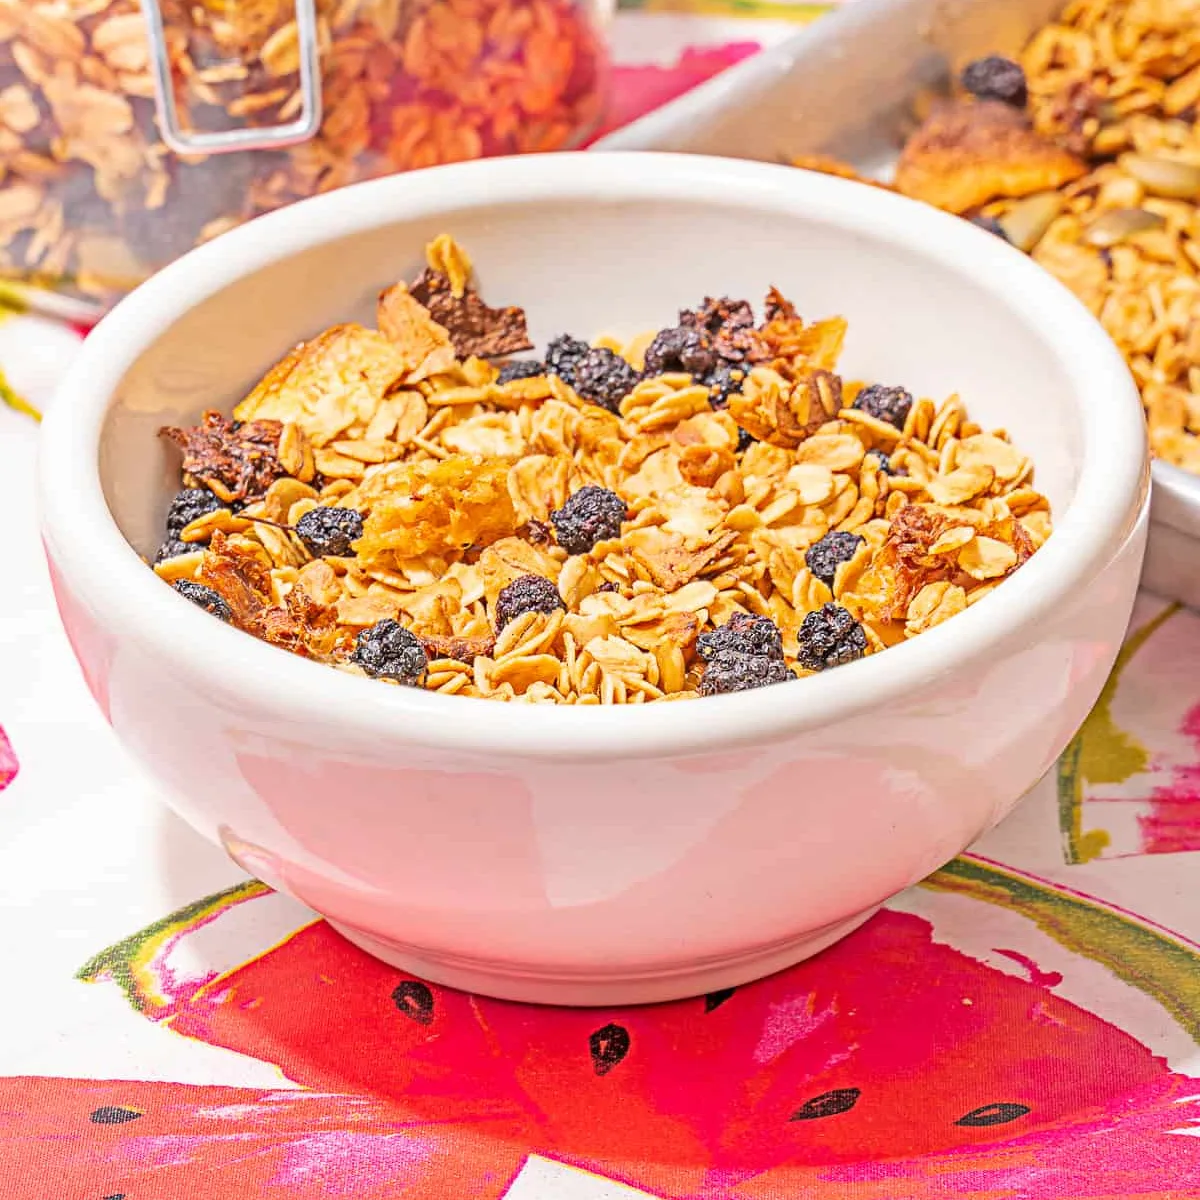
846 87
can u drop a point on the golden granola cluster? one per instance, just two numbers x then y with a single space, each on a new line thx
707 509
1098 178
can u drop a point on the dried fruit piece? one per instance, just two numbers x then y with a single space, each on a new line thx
329 384
743 633
966 154
330 531
680 348
890 404
521 368
829 637
423 344
474 328
563 355
205 598
604 378
173 548
824 557
445 505
746 652
190 505
996 78
389 651
592 514
730 672
237 460
526 594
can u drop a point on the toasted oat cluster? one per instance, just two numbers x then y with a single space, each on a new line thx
708 509
1086 155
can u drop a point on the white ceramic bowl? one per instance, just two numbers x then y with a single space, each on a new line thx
586 855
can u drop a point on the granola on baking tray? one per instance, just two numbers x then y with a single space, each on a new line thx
707 509
1086 155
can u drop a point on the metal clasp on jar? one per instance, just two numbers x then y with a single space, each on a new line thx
267 137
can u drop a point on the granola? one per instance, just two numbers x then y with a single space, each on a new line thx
1098 178
92 201
708 509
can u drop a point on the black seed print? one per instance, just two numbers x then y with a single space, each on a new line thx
714 1000
415 1001
607 1047
827 1104
993 1114
114 1196
114 1114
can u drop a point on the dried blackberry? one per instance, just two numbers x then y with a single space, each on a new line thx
996 78
528 593
830 637
330 531
603 377
205 598
389 651
521 368
592 514
563 356
824 557
723 380
890 404
680 349
173 548
991 225
745 634
188 506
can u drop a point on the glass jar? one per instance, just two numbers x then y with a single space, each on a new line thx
126 137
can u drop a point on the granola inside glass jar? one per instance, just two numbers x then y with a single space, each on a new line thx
92 200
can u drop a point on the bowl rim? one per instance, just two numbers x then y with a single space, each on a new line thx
239 672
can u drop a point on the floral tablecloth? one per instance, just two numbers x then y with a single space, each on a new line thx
1024 1024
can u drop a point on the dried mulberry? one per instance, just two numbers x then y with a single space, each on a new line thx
330 531
592 514
563 355
746 652
730 672
526 594
830 637
173 548
890 404
743 633
389 651
824 557
603 377
521 368
996 78
205 598
189 505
